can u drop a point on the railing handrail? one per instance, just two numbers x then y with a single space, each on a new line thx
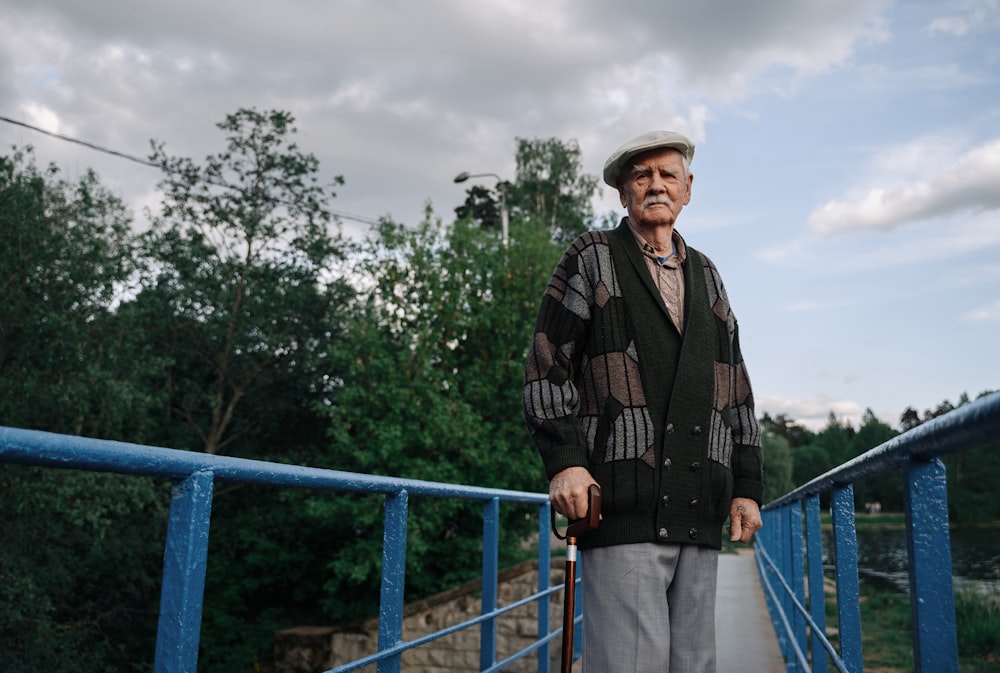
99 455
186 549
962 428
915 454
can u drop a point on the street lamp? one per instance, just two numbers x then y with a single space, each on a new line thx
504 218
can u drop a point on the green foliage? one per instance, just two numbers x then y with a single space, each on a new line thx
65 255
886 623
551 191
885 489
79 570
977 618
796 435
433 369
268 557
777 466
237 259
809 461
481 207
972 484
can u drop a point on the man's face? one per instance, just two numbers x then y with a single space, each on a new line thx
655 188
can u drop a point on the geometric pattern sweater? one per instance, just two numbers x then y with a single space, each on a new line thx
663 421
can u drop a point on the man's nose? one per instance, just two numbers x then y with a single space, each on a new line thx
657 184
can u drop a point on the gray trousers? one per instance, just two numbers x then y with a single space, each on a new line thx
649 608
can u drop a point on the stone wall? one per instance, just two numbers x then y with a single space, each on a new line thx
312 649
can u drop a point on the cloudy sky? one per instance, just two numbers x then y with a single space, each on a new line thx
847 177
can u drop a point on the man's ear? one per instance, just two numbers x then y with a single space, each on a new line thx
687 192
621 194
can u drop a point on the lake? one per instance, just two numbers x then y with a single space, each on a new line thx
882 559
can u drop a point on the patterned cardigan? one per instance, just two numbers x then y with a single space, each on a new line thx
665 423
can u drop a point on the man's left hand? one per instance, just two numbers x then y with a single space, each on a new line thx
744 520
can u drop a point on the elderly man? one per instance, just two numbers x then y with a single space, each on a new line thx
635 381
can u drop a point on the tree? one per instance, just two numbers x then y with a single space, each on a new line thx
777 466
909 419
550 190
434 365
809 461
797 435
66 254
886 489
482 207
972 478
835 439
78 562
240 257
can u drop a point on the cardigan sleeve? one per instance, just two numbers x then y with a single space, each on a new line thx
747 460
551 400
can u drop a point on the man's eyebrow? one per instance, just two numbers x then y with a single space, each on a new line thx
641 168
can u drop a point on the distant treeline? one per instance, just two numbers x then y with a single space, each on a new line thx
794 455
242 322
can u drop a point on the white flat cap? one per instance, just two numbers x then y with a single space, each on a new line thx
647 141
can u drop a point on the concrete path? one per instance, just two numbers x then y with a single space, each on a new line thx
744 636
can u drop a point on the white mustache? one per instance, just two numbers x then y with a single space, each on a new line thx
657 198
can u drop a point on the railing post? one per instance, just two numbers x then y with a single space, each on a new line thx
817 597
390 620
185 559
797 574
491 562
784 564
845 542
770 540
544 581
932 598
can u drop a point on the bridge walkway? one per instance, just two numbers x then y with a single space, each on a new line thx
745 638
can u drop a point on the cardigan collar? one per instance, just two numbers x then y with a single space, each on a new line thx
626 236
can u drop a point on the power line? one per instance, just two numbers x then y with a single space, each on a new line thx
146 162
92 146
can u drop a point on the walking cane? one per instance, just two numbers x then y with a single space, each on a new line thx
576 528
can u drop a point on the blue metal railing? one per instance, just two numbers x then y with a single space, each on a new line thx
186 548
784 555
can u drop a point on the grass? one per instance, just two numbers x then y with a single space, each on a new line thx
978 620
887 644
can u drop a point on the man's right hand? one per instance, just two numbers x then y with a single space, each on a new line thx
568 492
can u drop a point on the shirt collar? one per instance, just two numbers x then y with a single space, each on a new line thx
678 256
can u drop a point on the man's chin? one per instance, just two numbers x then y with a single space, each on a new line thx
656 219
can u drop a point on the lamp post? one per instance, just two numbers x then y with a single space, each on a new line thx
504 217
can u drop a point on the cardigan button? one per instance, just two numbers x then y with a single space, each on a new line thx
667 463
693 533
693 503
695 466
666 500
663 533
696 430
670 428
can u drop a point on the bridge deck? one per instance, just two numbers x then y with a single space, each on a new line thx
745 638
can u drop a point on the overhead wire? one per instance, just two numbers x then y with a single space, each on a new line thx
146 162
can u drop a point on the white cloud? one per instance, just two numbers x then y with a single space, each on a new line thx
986 313
419 91
970 15
969 184
811 413
949 25
42 117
